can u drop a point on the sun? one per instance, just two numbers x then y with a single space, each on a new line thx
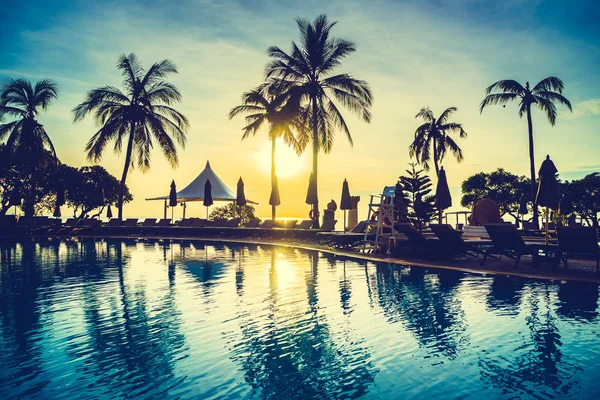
287 162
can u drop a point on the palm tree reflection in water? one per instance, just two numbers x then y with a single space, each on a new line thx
292 353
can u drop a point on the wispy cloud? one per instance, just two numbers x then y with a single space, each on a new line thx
584 109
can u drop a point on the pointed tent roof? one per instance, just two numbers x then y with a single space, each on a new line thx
195 190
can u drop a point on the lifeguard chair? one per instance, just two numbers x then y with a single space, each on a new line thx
380 221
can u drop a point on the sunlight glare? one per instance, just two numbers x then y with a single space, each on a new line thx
287 162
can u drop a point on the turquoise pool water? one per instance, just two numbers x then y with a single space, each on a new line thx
127 319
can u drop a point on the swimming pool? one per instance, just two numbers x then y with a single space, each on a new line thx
128 319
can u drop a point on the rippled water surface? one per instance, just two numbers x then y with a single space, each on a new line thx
127 319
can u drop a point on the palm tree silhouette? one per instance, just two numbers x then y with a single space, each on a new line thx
545 94
433 135
28 143
140 115
305 75
262 108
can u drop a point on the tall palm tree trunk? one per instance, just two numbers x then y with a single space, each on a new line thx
437 174
126 169
532 168
315 156
273 207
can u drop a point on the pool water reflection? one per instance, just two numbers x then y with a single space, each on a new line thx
116 319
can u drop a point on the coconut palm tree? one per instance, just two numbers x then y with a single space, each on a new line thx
306 75
28 145
545 94
433 136
27 140
263 108
141 115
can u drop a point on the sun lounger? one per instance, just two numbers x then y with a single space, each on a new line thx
290 224
451 242
267 224
328 225
185 222
344 239
305 224
8 221
149 222
114 222
199 222
71 223
233 223
253 223
130 222
163 222
41 221
506 240
579 242
89 223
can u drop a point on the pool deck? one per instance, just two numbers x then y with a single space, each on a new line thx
578 270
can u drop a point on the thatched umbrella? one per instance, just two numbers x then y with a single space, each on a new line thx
548 195
240 198
345 202
443 199
60 200
172 197
311 198
208 200
274 199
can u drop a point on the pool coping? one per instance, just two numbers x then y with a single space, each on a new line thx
500 268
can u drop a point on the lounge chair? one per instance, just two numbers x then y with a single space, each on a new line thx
185 222
328 225
290 224
579 242
233 223
451 242
25 222
71 223
163 222
344 239
253 223
199 222
417 239
41 221
267 224
130 222
305 224
89 223
149 222
8 221
506 240
114 222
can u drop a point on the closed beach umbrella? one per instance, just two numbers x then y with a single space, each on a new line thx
523 204
547 194
57 210
443 199
345 202
60 200
172 198
274 199
173 195
240 198
311 198
109 212
208 200
311 194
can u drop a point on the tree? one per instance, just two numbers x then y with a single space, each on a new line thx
264 108
305 75
585 194
232 210
433 135
545 94
28 146
141 115
90 188
506 188
418 188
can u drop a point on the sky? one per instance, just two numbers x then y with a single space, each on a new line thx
413 54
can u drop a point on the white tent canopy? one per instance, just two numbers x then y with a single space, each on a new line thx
195 190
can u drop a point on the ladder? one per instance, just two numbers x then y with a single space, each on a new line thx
382 225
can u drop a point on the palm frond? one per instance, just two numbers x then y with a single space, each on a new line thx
551 83
506 86
548 107
497 98
444 116
554 97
